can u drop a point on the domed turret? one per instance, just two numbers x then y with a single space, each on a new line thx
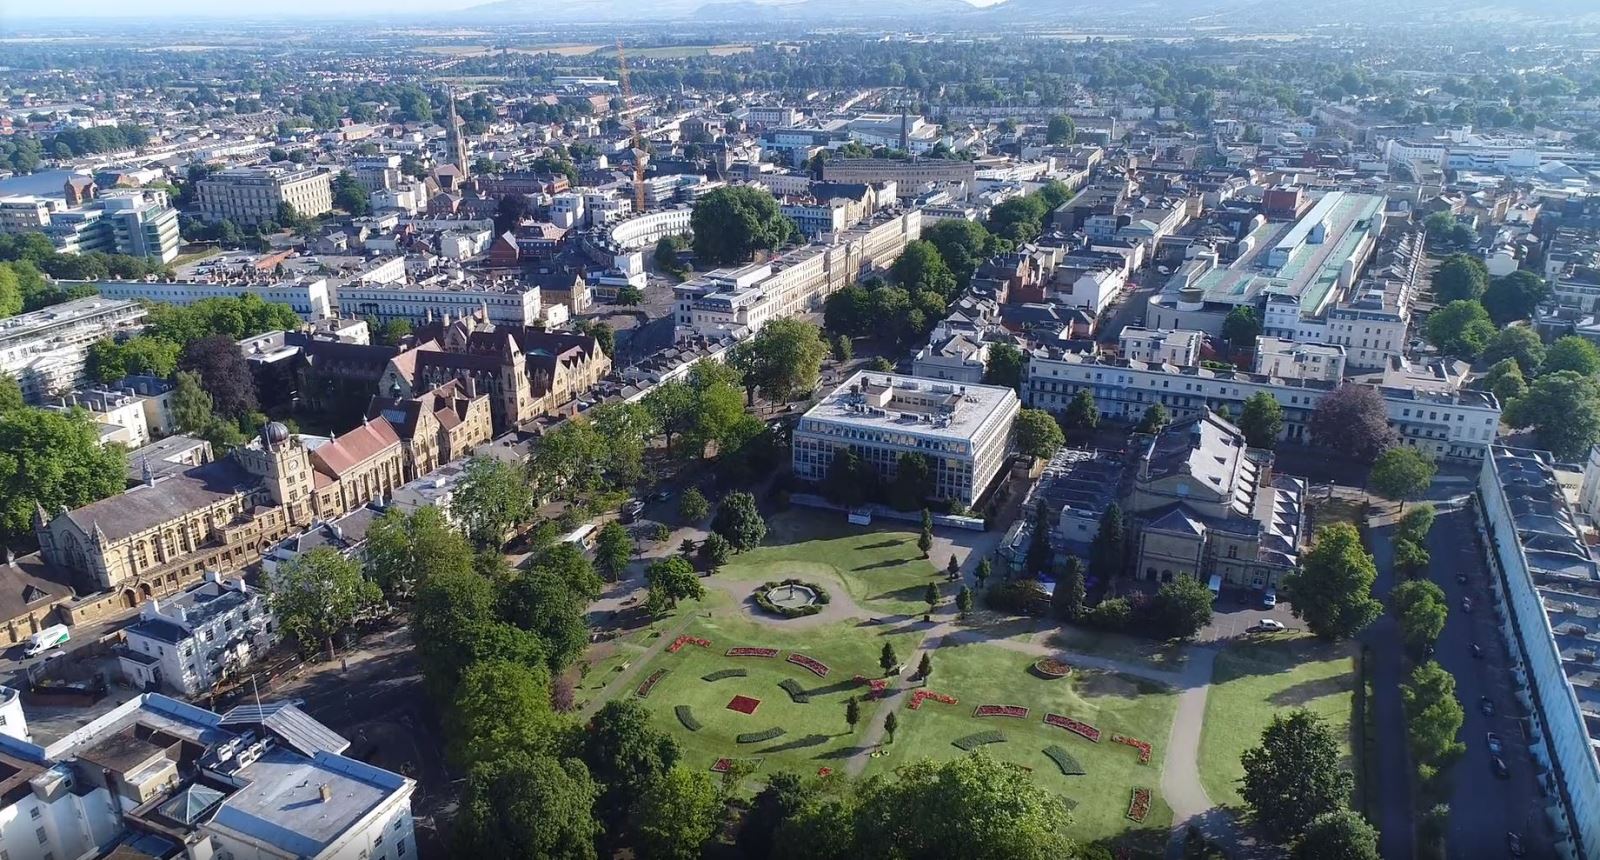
274 434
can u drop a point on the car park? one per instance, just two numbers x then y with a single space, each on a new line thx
1266 625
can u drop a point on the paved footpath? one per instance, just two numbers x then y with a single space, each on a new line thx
625 678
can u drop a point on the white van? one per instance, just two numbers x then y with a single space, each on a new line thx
583 536
1215 585
44 640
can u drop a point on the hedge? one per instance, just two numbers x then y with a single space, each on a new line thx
972 742
791 611
687 718
758 737
1064 760
797 693
724 673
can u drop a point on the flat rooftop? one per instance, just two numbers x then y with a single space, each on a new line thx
283 805
925 407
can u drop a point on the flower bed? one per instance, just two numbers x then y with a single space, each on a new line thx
650 683
686 717
687 640
1064 760
875 686
824 772
1000 711
920 695
722 765
1077 727
972 742
1139 806
814 665
752 652
1050 667
720 674
1141 746
744 704
758 737
791 611
797 693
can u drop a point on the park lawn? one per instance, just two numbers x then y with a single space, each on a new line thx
982 674
882 571
1164 656
815 733
1255 679
604 662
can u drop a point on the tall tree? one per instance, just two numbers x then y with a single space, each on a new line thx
1155 418
491 500
1107 553
887 658
627 758
671 404
784 359
739 520
1041 553
1563 408
852 712
52 460
1505 381
1295 774
522 805
730 224
1461 329
1420 607
1515 296
1518 342
402 549
1006 366
614 548
1332 589
1353 420
1038 434
1573 353
674 579
1241 327
678 815
849 482
777 803
1182 608
1060 129
921 267
542 603
913 482
225 374
692 506
1460 277
320 593
1261 420
1433 714
963 244
1341 834
1082 412
714 552
1402 474
500 707
1067 599
890 724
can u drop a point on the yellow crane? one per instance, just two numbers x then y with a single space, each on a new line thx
639 154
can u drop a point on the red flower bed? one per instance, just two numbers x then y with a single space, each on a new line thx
1077 727
1000 711
649 683
744 704
1141 746
809 663
1139 807
722 765
687 640
875 686
824 771
1051 668
752 652
918 696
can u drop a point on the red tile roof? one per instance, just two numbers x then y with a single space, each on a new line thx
356 447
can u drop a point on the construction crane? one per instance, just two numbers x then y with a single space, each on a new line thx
639 154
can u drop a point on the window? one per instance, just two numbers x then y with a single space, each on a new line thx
34 813
43 836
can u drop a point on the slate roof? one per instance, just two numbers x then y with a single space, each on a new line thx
145 507
294 726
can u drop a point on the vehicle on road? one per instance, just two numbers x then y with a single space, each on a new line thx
1477 651
1492 740
1270 599
1466 604
1461 578
662 495
1514 844
1486 705
1498 765
50 637
1266 625
632 510
1215 585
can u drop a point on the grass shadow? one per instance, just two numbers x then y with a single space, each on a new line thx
799 743
1306 691
888 562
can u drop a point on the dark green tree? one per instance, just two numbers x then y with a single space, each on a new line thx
1261 420
1573 353
887 658
1241 327
1038 434
1006 366
1460 277
627 758
1332 589
1082 412
521 805
1041 555
739 520
730 224
1107 554
1067 599
1341 834
1295 774
1402 474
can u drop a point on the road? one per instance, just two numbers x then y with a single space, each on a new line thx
1392 770
1130 310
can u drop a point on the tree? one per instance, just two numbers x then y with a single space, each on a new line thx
403 549
1082 413
1019 219
629 295
1515 296
1340 834
1460 328
491 501
224 373
1353 421
521 805
1294 775
964 601
1038 434
1155 418
971 807
841 348
1410 558
731 223
319 593
782 798
1261 420
1061 129
500 707
891 723
952 570
852 712
105 362
921 267
1005 366
848 482
350 195
739 520
784 359
981 573
671 406
1505 380
1067 599
963 244
11 301
1182 608
510 212
613 550
1241 327
692 506
686 547
1433 714
1332 589
1107 553
395 331
1460 277
1402 474
1563 408
53 460
678 815
627 758
10 394
1573 353
849 311
1041 555
930 595
715 552
887 658
1416 523
673 578
1420 607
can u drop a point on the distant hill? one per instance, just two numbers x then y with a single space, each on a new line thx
748 11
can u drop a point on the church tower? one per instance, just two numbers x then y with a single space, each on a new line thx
458 140
284 466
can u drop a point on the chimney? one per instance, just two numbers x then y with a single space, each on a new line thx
325 792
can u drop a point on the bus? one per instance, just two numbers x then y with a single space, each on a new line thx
582 537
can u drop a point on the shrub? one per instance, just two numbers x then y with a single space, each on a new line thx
1019 597
1064 760
687 718
724 673
797 693
758 737
791 611
973 741
1113 614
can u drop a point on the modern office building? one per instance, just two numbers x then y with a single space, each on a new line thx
24 214
962 430
508 303
1546 588
251 195
142 224
308 297
45 350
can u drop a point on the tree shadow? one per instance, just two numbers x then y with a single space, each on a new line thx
910 592
842 753
888 562
830 689
885 544
796 744
1310 690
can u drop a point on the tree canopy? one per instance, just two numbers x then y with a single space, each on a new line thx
1563 408
1460 277
1573 353
53 460
1332 589
1353 421
732 223
1402 474
1038 434
1461 328
1261 420
319 593
1294 776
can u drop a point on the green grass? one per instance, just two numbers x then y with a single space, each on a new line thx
1165 656
979 674
882 571
815 734
1254 680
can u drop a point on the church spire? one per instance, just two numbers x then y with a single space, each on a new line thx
458 141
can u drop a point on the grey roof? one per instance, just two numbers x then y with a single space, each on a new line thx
294 726
143 508
160 630
281 803
190 803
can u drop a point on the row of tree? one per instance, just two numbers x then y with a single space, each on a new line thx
29 255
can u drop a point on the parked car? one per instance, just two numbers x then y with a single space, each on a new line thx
1477 651
1514 844
1270 599
1461 578
632 510
1486 705
1466 604
1498 765
1266 625
1492 740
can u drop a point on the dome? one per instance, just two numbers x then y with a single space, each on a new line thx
274 433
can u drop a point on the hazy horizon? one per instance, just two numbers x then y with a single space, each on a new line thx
111 9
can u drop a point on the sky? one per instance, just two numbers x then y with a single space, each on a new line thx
31 9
